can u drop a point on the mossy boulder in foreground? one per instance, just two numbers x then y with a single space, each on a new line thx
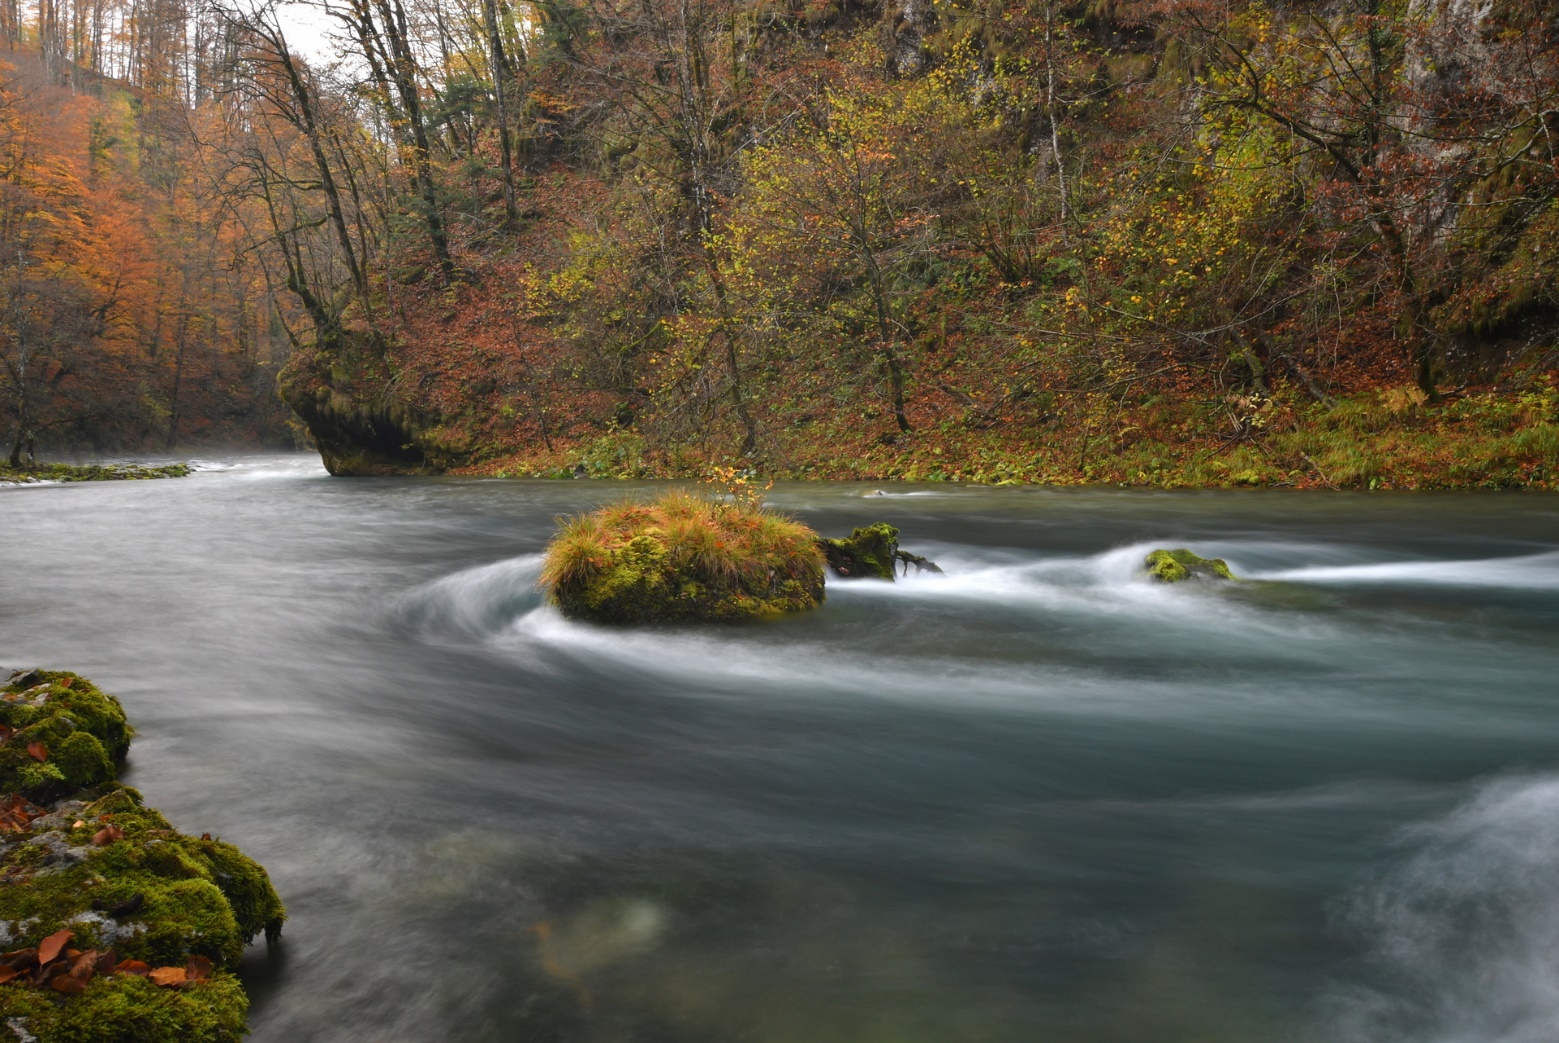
682 558
1174 566
115 926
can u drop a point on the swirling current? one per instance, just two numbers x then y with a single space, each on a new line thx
1035 798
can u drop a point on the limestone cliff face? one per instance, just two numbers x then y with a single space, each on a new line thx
347 398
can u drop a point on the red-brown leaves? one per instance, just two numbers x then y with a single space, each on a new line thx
107 835
81 969
16 811
38 751
64 970
51 946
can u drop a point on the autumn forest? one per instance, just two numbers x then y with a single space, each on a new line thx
1150 242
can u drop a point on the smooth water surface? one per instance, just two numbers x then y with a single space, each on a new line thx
1036 799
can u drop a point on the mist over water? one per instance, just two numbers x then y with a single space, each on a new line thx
1034 798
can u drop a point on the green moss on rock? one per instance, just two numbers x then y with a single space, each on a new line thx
870 552
1175 566
682 558
114 873
80 729
129 1009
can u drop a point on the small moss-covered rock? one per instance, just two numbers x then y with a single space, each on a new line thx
870 552
682 558
1174 566
61 733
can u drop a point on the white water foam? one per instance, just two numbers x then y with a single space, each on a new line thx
1527 572
1465 932
478 602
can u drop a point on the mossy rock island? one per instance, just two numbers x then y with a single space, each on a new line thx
116 927
1176 566
682 558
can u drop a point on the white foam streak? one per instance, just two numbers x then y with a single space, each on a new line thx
478 602
1528 572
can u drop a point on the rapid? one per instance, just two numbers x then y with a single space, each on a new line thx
1035 798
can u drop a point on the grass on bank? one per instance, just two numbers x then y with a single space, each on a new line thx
1384 439
90 472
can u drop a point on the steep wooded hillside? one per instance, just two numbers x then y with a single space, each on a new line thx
124 321
1149 242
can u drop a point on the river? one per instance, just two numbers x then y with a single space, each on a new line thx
1036 798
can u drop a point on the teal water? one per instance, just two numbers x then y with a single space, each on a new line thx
1034 799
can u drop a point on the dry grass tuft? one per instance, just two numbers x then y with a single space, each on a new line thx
722 550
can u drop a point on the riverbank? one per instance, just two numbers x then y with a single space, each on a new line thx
89 473
1389 439
118 926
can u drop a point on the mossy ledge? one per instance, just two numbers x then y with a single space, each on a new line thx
90 472
1175 566
83 854
682 558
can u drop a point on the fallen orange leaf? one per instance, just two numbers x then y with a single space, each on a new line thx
50 947
197 968
7 973
107 835
38 750
166 976
139 968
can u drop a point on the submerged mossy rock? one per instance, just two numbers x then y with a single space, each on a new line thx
133 893
1173 566
682 558
870 552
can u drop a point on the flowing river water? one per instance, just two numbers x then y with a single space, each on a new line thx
1035 799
